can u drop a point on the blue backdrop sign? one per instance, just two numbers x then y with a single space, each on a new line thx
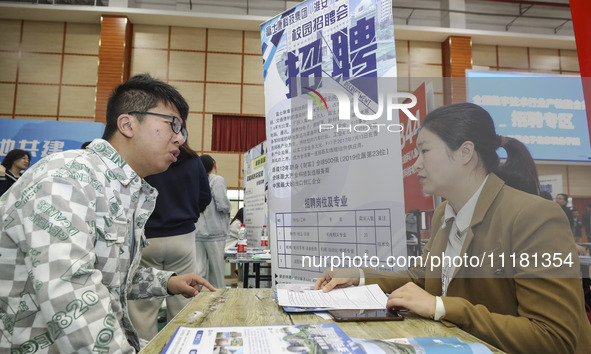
42 138
546 113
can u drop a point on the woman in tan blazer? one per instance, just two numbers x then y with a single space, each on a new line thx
516 280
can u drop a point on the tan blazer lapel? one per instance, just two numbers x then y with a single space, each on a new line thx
487 196
489 192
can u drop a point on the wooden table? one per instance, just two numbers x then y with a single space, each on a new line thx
257 307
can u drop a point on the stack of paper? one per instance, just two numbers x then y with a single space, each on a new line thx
368 297
265 255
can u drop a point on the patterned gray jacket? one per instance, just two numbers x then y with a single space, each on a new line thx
71 234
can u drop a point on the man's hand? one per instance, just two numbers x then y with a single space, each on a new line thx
338 278
412 297
187 285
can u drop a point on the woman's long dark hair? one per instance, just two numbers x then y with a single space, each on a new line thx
239 215
189 150
461 122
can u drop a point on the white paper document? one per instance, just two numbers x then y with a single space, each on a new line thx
367 297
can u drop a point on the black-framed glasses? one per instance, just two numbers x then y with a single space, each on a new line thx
176 124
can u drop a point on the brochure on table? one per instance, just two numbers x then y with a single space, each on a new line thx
319 338
421 345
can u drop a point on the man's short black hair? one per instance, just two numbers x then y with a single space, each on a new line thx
141 93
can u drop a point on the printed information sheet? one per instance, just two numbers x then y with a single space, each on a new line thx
368 297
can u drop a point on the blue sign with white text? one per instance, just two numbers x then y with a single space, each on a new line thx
546 113
42 137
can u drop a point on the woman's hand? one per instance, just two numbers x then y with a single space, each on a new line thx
412 297
337 278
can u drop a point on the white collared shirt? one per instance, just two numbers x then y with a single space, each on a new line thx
454 244
457 233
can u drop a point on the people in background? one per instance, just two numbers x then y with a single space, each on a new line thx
586 220
489 209
546 195
234 229
183 193
212 227
13 165
562 200
577 226
71 232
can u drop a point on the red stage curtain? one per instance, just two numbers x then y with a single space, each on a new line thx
237 133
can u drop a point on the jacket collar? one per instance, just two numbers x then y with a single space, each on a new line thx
117 168
464 216
9 174
490 190
489 193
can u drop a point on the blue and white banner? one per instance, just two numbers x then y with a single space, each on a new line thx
546 113
42 137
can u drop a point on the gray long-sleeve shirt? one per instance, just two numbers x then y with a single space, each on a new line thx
213 224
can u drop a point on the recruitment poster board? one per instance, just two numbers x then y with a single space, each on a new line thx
42 137
255 192
333 133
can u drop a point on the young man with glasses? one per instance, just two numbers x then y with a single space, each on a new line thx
71 233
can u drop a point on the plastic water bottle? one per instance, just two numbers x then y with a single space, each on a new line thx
264 239
241 251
